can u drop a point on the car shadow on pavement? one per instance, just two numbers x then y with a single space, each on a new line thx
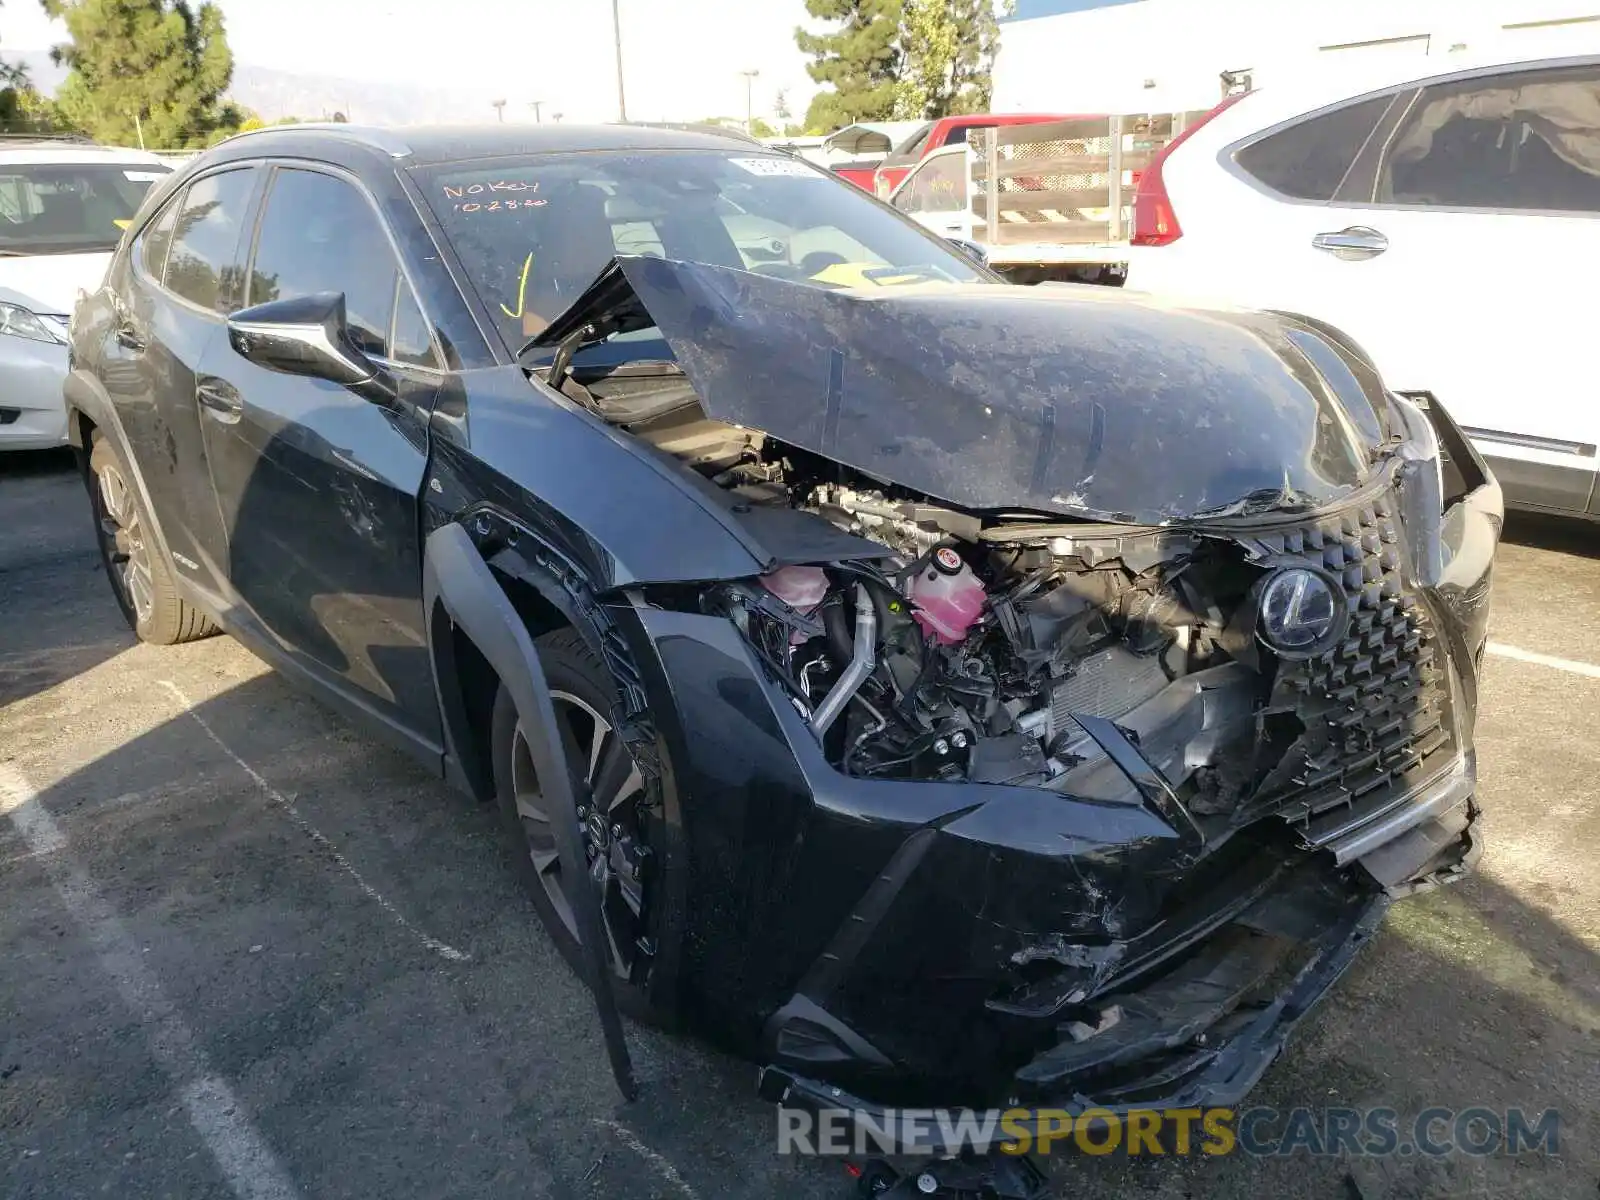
46 576
1545 531
287 885
291 890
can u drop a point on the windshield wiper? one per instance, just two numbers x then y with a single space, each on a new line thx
561 364
532 343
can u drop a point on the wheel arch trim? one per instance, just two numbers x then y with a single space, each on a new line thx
459 588
85 397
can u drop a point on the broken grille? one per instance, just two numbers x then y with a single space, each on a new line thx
1376 707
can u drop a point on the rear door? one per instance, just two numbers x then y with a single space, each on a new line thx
318 487
184 271
1451 230
1480 222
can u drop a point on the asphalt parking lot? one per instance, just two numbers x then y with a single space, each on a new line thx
246 952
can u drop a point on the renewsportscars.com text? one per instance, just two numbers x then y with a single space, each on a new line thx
1261 1132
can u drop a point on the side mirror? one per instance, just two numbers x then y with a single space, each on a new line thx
307 335
971 249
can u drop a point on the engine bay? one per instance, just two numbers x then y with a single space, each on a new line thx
962 654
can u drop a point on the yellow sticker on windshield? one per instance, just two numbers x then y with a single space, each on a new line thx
122 222
864 274
522 289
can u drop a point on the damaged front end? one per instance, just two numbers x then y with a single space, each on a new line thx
1114 668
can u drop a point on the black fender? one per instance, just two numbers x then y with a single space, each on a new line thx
457 586
84 395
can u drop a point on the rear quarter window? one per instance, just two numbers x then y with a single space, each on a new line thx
1309 159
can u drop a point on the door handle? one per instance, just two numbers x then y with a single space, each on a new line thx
128 338
219 398
1352 244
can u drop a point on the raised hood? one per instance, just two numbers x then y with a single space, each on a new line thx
1077 400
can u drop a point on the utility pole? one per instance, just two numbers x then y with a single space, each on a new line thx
538 111
499 109
749 82
616 26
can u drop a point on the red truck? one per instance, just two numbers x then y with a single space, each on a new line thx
946 131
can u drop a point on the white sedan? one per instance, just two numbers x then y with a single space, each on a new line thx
63 206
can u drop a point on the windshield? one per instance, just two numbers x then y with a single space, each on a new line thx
62 208
533 234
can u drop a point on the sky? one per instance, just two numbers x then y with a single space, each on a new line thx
681 58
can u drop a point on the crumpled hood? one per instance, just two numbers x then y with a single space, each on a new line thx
49 283
1078 400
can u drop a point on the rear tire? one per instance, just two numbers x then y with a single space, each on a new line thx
617 803
134 559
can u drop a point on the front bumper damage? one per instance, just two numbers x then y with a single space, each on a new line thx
882 943
1211 1051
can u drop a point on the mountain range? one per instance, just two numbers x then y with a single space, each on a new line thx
275 93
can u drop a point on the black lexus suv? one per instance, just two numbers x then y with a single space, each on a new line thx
881 667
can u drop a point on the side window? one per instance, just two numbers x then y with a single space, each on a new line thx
156 239
409 341
1526 141
911 149
202 265
936 186
319 234
1309 159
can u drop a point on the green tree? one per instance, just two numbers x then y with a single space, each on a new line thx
23 108
858 62
948 49
145 71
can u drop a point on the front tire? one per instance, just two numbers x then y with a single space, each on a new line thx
617 810
135 561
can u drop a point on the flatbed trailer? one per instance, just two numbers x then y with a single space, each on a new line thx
1044 202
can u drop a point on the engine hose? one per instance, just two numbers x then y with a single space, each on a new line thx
837 630
862 661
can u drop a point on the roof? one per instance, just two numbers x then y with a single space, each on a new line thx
66 150
1328 84
427 144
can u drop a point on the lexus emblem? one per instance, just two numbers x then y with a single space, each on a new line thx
1302 612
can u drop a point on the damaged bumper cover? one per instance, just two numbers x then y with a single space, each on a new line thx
1211 1051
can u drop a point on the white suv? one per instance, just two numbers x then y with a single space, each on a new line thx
1450 224
63 206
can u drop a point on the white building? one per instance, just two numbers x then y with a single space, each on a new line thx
1129 56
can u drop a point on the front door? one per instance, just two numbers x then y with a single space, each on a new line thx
183 274
318 486
936 193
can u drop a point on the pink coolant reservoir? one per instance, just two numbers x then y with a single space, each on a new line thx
801 588
947 595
